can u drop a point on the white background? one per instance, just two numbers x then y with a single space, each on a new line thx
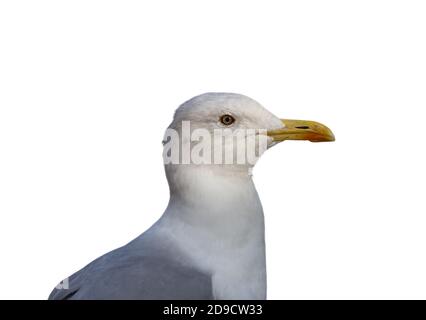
87 89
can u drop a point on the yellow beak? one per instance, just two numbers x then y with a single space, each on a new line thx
302 130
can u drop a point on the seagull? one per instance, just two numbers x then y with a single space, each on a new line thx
209 243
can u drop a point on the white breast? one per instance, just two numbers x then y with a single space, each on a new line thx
220 227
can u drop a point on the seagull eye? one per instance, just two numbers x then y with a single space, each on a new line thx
227 119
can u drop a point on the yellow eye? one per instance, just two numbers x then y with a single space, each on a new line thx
227 119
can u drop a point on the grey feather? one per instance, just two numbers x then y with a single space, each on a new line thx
142 269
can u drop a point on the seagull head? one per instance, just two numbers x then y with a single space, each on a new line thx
230 130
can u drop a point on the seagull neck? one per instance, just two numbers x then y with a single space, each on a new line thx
208 191
186 182
214 217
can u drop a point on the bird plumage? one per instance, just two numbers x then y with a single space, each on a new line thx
209 243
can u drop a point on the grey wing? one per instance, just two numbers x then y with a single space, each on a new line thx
121 275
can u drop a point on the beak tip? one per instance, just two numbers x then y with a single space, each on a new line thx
331 137
325 134
326 138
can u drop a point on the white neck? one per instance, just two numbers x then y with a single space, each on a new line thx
216 217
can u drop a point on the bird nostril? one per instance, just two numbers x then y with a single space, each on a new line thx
302 127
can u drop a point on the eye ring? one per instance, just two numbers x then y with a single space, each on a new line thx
227 119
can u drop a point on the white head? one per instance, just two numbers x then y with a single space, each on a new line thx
220 132
224 130
221 128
